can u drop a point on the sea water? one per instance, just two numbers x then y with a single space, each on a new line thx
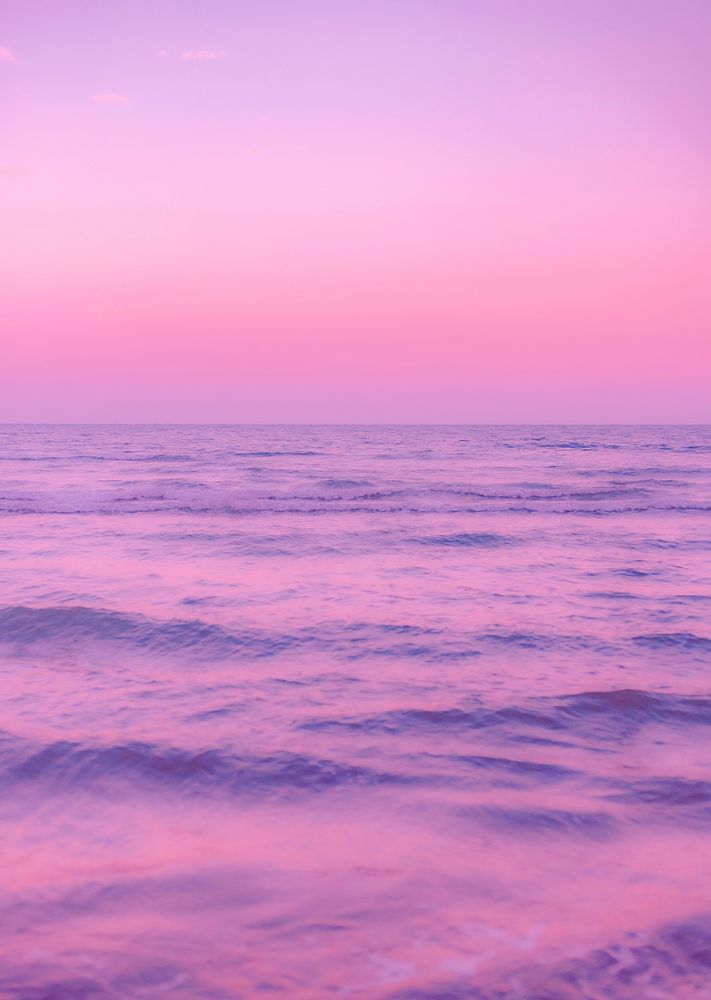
416 713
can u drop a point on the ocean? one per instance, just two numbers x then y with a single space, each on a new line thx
393 713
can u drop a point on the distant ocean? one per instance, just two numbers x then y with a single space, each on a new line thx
392 713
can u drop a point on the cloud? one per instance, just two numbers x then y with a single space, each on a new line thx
203 55
162 52
7 55
110 99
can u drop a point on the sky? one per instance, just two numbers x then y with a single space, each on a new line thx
456 211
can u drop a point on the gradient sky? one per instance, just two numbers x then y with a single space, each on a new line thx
355 210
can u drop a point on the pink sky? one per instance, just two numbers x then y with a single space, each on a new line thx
369 210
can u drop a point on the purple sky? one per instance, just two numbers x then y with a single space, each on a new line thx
355 211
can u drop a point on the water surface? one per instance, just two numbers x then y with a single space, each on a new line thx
396 713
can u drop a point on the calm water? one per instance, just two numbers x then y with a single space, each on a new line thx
372 712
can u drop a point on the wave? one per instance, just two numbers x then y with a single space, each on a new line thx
665 792
608 715
571 445
533 822
668 961
20 625
673 961
99 458
182 891
639 446
345 484
674 640
74 988
467 539
275 454
421 720
611 595
327 505
610 494
72 766
67 626
631 703
512 768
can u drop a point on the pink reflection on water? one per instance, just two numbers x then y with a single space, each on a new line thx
394 713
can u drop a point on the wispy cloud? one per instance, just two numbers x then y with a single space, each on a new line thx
7 55
203 55
110 99
162 52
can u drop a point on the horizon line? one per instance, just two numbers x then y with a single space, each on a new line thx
298 423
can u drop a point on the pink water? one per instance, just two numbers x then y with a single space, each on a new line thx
371 712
